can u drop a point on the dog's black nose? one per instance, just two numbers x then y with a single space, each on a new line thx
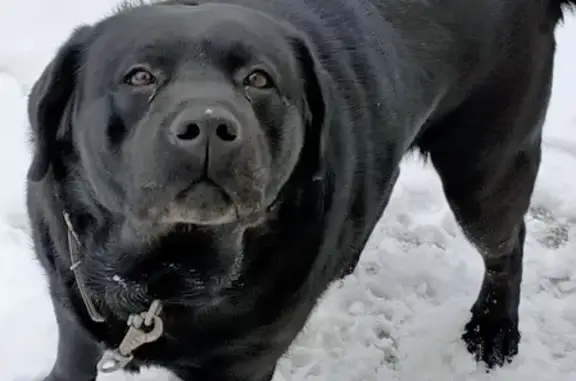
195 128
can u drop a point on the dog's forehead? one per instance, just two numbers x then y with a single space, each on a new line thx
182 33
189 25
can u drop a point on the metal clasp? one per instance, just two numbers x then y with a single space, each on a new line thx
135 337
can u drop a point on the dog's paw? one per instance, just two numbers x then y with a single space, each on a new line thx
492 341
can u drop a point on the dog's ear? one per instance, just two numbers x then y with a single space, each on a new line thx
50 103
318 101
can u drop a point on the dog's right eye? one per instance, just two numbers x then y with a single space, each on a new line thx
139 76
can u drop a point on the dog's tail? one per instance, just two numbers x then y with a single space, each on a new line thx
559 6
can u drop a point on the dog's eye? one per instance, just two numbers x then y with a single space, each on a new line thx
259 79
140 76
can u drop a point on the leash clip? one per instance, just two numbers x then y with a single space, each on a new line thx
135 337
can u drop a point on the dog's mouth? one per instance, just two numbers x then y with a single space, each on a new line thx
214 204
198 189
203 202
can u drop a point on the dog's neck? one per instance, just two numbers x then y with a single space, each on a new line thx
179 245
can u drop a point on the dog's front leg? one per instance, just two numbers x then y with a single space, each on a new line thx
77 354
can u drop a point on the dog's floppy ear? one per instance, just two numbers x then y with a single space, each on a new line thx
49 102
318 100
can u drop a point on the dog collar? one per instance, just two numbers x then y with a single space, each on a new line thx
136 336
75 261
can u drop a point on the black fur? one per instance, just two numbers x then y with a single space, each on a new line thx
240 241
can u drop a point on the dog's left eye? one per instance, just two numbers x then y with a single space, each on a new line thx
139 76
259 79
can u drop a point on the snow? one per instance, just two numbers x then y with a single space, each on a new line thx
398 317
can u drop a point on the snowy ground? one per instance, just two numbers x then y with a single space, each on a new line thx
399 317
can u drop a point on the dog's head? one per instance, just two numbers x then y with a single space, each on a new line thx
181 114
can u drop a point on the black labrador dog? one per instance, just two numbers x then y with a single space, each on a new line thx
202 171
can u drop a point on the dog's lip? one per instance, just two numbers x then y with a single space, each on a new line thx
206 181
241 213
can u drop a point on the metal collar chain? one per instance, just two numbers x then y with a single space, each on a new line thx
145 327
75 261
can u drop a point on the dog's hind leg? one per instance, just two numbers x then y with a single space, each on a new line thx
489 205
487 153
